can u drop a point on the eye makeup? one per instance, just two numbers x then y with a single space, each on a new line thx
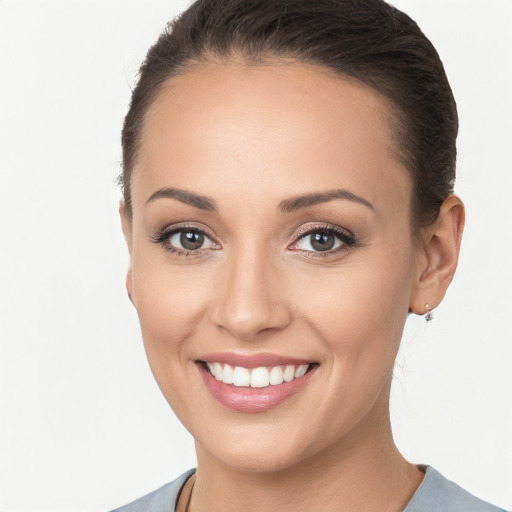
322 234
190 234
324 240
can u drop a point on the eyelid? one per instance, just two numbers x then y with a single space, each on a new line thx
343 234
322 226
164 234
180 226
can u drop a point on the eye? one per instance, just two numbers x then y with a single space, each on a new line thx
188 240
323 240
185 240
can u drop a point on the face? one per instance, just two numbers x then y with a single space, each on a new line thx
270 237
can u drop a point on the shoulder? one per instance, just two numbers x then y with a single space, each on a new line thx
437 494
162 500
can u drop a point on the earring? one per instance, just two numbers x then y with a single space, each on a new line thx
429 315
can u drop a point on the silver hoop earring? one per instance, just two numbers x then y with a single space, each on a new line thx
429 315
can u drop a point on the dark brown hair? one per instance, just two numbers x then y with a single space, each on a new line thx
366 40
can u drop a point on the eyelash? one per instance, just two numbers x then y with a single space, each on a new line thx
163 236
347 239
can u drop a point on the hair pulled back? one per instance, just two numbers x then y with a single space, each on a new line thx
367 40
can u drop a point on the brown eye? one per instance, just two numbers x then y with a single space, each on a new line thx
328 240
186 240
191 240
322 241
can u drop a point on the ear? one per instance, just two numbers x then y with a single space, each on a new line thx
126 223
438 256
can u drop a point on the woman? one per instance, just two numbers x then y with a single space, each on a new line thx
288 173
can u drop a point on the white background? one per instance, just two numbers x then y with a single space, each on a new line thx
83 426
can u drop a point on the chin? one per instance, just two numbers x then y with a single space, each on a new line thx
256 461
262 451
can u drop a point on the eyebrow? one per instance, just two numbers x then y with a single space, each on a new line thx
285 206
201 202
305 200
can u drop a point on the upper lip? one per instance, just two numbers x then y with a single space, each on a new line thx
252 360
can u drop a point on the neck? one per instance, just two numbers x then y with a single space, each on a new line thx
364 471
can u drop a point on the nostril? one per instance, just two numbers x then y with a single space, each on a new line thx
249 298
252 321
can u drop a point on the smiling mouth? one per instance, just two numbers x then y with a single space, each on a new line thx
260 377
254 383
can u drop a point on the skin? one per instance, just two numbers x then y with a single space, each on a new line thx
250 137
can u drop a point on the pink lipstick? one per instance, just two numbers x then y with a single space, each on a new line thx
254 383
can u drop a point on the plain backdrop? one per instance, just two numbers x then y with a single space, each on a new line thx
83 426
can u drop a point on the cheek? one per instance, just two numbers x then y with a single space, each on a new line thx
171 302
359 309
359 319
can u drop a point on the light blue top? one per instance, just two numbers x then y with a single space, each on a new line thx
435 494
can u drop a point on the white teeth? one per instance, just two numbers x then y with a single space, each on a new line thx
227 376
276 376
289 373
241 376
218 371
301 370
260 377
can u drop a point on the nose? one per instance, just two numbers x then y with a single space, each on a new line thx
251 297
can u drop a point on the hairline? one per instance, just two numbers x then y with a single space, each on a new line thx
393 114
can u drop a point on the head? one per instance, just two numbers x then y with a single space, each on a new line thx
288 173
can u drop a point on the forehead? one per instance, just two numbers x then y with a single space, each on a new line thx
261 128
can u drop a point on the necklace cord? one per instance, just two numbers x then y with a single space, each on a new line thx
185 496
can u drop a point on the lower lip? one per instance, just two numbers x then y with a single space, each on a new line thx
247 399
